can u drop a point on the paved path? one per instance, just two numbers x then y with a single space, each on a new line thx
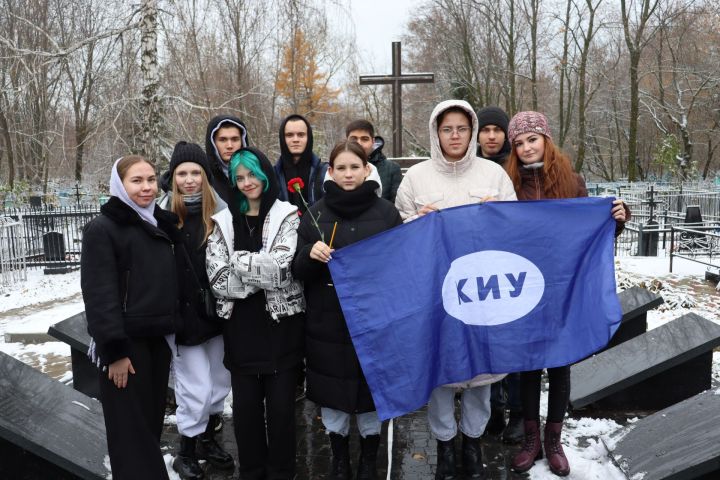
413 458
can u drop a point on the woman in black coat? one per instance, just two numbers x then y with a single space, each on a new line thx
128 277
335 380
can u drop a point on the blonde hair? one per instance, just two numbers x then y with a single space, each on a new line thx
208 204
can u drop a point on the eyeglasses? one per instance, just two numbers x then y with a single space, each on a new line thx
448 131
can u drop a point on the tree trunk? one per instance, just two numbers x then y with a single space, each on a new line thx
634 116
512 101
7 138
534 6
151 118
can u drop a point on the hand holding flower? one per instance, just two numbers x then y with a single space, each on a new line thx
295 185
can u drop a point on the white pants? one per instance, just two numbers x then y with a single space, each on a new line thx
201 383
474 412
336 421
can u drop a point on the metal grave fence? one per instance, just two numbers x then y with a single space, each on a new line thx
13 268
51 237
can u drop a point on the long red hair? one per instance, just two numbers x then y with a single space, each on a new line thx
560 181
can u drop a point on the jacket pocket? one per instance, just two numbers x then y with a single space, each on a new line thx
435 198
484 194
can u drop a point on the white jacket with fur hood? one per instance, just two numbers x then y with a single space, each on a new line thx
450 184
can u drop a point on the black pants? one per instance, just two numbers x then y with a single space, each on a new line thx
558 395
134 415
265 454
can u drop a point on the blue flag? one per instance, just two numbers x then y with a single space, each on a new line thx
498 287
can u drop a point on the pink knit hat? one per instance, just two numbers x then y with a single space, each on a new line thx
525 122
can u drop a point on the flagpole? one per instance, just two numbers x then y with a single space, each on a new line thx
389 448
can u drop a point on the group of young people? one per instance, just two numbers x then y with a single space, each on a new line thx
225 280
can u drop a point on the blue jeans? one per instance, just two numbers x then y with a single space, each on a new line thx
474 412
338 422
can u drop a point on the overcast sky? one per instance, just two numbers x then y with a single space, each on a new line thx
377 24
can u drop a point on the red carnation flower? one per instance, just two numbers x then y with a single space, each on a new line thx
295 185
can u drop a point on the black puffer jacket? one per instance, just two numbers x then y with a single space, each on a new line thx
128 278
334 376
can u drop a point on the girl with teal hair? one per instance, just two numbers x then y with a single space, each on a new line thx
250 161
249 259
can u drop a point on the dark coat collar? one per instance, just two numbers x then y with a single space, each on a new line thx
121 213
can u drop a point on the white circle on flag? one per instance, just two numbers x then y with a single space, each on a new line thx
491 287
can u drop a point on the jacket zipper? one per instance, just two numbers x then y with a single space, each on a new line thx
127 289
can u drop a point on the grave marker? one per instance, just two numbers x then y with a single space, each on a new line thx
674 360
51 421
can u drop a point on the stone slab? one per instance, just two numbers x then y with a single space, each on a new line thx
642 357
680 442
637 300
28 337
72 331
51 421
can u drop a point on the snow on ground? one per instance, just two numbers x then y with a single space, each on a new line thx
31 307
39 289
46 299
660 266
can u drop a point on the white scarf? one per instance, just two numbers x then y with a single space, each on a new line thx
117 189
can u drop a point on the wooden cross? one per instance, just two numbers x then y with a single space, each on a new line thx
396 80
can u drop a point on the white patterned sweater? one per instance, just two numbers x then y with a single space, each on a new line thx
239 274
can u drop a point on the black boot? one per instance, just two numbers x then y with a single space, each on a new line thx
186 462
472 458
445 460
340 457
515 430
496 423
216 423
367 466
208 449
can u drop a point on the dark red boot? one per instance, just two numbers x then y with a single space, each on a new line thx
557 461
531 449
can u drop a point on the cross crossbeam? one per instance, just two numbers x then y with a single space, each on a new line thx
397 79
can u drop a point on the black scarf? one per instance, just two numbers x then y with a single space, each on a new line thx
499 157
350 203
302 170
243 239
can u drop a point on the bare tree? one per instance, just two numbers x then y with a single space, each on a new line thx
687 73
84 20
638 32
151 101
586 38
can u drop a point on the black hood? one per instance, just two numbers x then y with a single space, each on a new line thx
377 155
285 154
242 237
213 126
